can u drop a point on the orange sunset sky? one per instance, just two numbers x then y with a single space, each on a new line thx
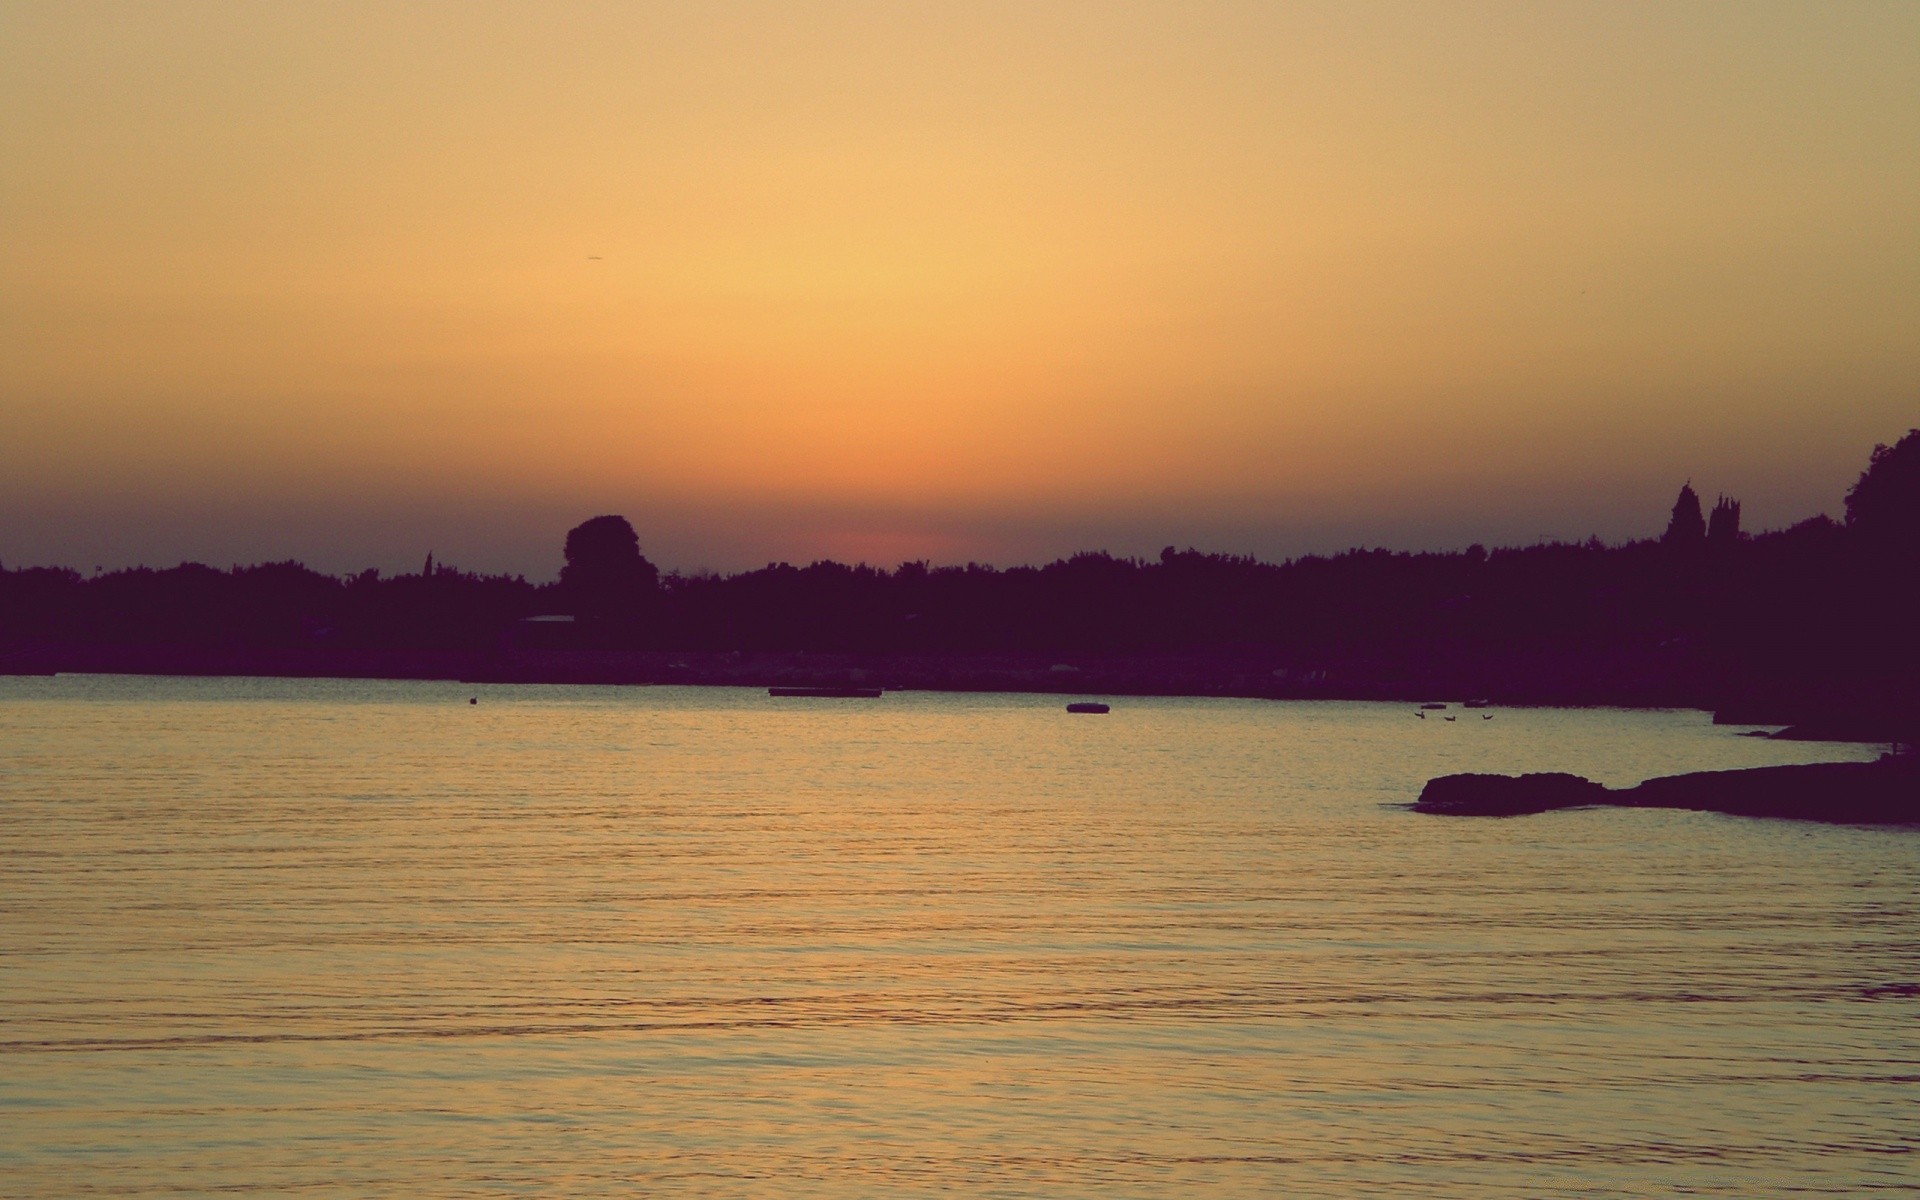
351 282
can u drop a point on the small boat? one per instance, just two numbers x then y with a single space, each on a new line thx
1433 707
1087 706
828 693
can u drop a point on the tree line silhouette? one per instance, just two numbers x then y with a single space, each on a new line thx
1709 613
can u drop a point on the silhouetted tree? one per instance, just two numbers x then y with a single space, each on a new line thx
605 577
1883 507
1724 527
1883 524
1687 527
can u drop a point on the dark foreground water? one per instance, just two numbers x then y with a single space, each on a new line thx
353 938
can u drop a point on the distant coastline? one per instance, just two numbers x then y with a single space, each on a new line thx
1548 681
1163 675
1812 626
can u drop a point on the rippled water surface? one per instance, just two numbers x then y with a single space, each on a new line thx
329 937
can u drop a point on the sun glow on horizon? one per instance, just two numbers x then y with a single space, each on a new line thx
1239 266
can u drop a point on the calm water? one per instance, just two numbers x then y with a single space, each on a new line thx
352 938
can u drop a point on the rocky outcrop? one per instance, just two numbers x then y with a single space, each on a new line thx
1507 795
1882 792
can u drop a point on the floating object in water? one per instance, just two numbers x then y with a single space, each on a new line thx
1452 718
1087 707
1486 716
1433 707
1418 713
829 693
473 699
1477 704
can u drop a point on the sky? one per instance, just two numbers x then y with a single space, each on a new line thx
353 282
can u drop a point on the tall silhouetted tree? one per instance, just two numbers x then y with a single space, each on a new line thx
1883 507
1723 528
1883 522
1687 527
605 577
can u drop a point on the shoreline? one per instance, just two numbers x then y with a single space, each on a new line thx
1547 681
1546 678
1554 683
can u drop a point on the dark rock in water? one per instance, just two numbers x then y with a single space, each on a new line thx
1887 791
1507 795
1087 707
1883 792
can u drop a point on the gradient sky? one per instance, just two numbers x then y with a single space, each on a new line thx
352 282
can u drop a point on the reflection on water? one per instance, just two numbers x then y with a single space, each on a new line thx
349 938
